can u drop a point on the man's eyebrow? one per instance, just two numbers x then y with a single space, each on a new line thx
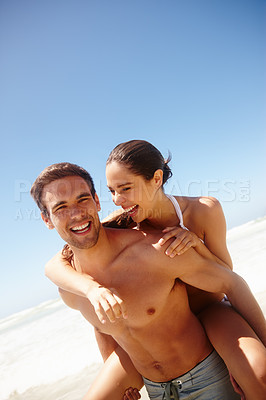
121 185
85 194
58 204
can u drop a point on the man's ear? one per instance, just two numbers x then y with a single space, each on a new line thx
47 221
97 201
158 178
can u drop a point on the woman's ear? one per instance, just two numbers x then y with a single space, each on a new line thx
158 177
47 221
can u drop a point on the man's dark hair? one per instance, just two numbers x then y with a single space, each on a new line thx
54 172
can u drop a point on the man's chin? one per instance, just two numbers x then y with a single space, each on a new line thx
83 244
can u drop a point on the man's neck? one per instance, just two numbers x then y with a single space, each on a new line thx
98 255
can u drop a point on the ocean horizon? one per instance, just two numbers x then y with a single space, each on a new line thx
50 352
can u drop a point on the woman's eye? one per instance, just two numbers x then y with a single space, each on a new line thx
126 189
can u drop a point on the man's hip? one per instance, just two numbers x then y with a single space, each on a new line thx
208 380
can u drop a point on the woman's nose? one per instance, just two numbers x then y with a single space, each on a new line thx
118 199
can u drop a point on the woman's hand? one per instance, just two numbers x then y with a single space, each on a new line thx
106 303
131 394
184 239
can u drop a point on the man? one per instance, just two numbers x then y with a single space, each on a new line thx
161 335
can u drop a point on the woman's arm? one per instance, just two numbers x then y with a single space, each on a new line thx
62 274
213 221
105 303
211 277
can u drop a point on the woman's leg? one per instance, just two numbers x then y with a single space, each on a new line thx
116 375
239 347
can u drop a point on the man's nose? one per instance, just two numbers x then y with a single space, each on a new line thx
77 212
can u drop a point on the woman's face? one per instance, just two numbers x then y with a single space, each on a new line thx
132 192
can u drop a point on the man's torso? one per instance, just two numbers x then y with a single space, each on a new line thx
161 335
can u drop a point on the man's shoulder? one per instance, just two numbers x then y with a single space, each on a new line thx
134 243
143 250
133 236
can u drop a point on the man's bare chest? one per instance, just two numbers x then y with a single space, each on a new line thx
147 295
143 289
143 284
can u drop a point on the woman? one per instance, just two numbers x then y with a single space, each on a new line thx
136 173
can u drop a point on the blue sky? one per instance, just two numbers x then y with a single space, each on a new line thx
78 77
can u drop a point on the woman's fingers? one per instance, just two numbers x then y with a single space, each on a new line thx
171 232
122 306
107 304
182 240
178 248
131 394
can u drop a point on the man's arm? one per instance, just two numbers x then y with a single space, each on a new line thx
207 275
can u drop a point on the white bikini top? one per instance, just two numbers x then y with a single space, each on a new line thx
177 210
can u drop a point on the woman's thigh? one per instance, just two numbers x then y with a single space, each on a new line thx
116 375
239 347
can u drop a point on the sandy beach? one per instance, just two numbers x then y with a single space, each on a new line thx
49 351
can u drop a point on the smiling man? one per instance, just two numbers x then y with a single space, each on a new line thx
163 338
73 220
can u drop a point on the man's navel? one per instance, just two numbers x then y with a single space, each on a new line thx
157 366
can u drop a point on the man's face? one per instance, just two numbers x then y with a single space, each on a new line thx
73 212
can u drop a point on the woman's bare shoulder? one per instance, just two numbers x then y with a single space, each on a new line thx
203 203
200 210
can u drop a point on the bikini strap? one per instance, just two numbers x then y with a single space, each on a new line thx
177 210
